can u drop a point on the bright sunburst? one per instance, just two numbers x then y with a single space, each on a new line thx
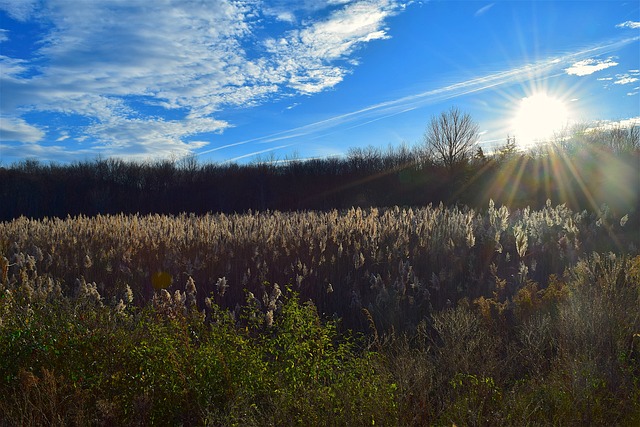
538 118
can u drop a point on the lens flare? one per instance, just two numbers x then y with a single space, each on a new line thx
161 280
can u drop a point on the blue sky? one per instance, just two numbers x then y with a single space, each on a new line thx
245 80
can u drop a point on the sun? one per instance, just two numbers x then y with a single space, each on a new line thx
538 118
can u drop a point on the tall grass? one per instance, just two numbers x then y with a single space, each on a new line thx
498 317
396 263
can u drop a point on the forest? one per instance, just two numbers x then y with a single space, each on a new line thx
584 169
383 288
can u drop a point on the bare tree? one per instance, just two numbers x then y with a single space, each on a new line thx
450 138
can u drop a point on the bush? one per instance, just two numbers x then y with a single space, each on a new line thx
67 362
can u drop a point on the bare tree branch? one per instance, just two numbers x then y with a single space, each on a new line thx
450 138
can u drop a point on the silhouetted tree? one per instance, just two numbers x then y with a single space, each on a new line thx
479 156
450 138
508 150
607 158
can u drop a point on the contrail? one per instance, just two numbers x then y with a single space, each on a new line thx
401 105
255 153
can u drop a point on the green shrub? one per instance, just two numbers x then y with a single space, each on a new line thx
71 362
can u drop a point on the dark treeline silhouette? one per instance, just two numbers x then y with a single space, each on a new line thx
585 170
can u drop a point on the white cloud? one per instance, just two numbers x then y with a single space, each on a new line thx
484 9
113 62
624 80
290 11
589 66
4 35
631 77
308 59
185 55
616 124
19 10
157 138
16 129
57 153
12 67
63 136
286 15
629 24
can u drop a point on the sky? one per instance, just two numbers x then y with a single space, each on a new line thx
246 81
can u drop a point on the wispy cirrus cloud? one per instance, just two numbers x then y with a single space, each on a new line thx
404 104
629 24
154 138
152 76
257 153
293 12
484 9
589 66
17 129
99 54
312 59
19 10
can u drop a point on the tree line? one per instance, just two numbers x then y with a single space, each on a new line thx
585 168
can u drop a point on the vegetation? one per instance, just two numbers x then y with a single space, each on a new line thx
474 318
450 138
584 169
398 263
75 361
478 302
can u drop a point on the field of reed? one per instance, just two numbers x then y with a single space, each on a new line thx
394 316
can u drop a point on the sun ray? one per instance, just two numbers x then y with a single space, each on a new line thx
515 185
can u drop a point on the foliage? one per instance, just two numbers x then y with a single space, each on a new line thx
567 354
64 361
492 317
